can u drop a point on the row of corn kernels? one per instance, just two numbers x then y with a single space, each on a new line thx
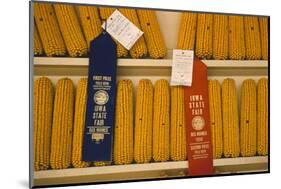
60 29
153 128
222 37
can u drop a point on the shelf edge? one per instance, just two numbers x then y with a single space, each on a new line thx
115 169
82 62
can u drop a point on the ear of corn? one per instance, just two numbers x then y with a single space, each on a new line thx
248 128
152 33
123 131
143 122
139 49
187 31
161 121
262 117
90 22
216 117
252 38
178 127
61 143
37 45
105 13
71 31
220 37
263 22
236 38
204 36
48 29
230 119
79 124
43 109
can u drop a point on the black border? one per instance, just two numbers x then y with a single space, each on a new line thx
31 75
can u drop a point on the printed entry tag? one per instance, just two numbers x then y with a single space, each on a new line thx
122 29
182 67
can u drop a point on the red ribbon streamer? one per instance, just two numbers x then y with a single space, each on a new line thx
199 144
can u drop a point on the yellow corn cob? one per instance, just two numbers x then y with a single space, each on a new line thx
90 22
262 117
216 117
43 109
123 131
248 128
104 14
263 21
37 45
48 29
143 122
152 33
139 49
79 123
204 36
61 144
178 127
161 121
230 119
71 31
236 38
187 31
252 38
220 37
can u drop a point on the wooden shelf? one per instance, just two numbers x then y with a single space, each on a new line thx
145 171
57 61
133 67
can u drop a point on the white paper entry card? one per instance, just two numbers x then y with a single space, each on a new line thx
122 29
182 67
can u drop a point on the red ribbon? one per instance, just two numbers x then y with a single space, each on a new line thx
199 144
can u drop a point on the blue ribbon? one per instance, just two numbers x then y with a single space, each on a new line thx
101 90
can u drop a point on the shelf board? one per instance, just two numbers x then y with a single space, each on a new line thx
145 171
61 61
60 66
